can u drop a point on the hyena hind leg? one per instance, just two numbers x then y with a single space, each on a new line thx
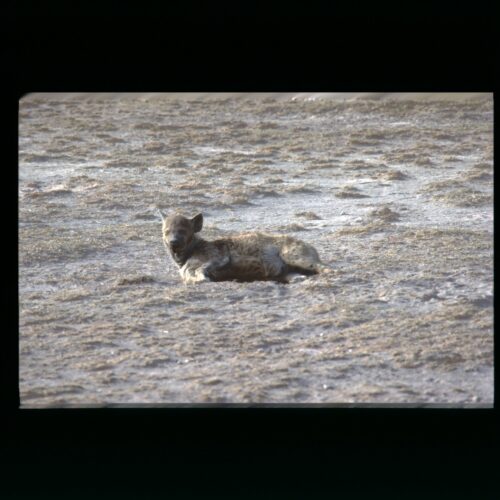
218 270
301 258
274 265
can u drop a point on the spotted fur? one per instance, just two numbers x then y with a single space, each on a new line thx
244 257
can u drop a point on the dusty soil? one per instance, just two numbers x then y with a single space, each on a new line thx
395 194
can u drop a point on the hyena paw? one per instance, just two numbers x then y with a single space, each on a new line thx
202 275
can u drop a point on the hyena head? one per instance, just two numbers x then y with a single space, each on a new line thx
178 231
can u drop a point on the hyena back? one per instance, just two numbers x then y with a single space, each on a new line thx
245 257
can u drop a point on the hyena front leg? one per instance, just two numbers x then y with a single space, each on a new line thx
196 272
192 274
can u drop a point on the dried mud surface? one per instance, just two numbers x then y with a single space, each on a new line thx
395 195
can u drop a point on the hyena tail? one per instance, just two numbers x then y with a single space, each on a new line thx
306 271
309 269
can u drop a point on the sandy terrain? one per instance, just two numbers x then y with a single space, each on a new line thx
259 96
395 191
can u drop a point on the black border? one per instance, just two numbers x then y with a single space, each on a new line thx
255 53
138 452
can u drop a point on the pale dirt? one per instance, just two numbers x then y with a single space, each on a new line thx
394 192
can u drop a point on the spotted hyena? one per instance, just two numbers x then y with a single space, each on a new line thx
244 257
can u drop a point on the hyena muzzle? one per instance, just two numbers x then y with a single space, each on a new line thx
244 257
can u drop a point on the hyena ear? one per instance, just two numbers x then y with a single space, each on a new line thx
197 222
162 215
